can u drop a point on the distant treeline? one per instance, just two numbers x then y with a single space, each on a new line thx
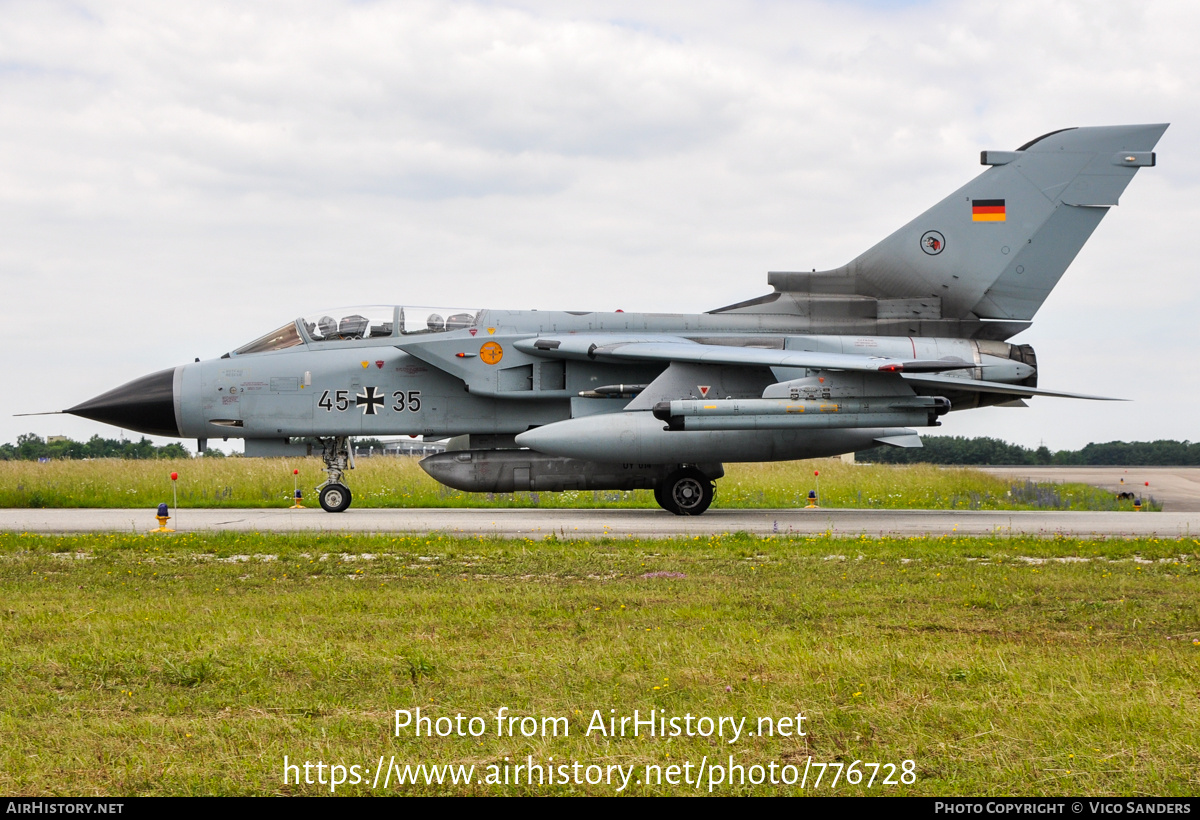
983 451
30 447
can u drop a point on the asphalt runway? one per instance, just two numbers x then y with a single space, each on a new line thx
539 524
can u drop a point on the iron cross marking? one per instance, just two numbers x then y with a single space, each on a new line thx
369 401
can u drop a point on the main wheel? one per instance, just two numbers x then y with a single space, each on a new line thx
335 498
687 492
664 499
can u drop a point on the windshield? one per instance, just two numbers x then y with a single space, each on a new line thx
286 336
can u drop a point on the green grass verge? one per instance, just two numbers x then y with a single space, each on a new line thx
400 482
193 664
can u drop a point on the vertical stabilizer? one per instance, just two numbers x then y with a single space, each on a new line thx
995 248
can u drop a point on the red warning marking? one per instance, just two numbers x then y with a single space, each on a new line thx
704 390
473 331
379 363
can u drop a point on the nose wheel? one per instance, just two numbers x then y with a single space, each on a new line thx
685 492
334 495
335 498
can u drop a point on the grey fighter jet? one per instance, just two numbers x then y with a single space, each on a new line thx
829 362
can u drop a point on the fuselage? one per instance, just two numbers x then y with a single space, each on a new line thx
474 380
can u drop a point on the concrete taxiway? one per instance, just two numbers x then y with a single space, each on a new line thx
539 524
1176 488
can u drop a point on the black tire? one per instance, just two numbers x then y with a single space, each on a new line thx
335 498
687 492
664 499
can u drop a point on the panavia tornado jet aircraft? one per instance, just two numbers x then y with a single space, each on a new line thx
829 362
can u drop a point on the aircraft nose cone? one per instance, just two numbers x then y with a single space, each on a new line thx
146 405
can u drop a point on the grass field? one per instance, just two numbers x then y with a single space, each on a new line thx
193 664
399 482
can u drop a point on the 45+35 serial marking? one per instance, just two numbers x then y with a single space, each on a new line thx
370 400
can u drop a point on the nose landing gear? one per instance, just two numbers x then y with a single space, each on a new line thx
338 457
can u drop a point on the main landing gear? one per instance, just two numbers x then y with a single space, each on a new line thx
686 491
338 457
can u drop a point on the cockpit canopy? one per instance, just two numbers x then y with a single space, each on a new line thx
350 323
369 322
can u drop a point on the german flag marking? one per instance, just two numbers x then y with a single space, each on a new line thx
987 210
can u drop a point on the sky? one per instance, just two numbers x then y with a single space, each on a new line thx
177 179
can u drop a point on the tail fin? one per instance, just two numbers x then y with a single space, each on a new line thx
995 248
